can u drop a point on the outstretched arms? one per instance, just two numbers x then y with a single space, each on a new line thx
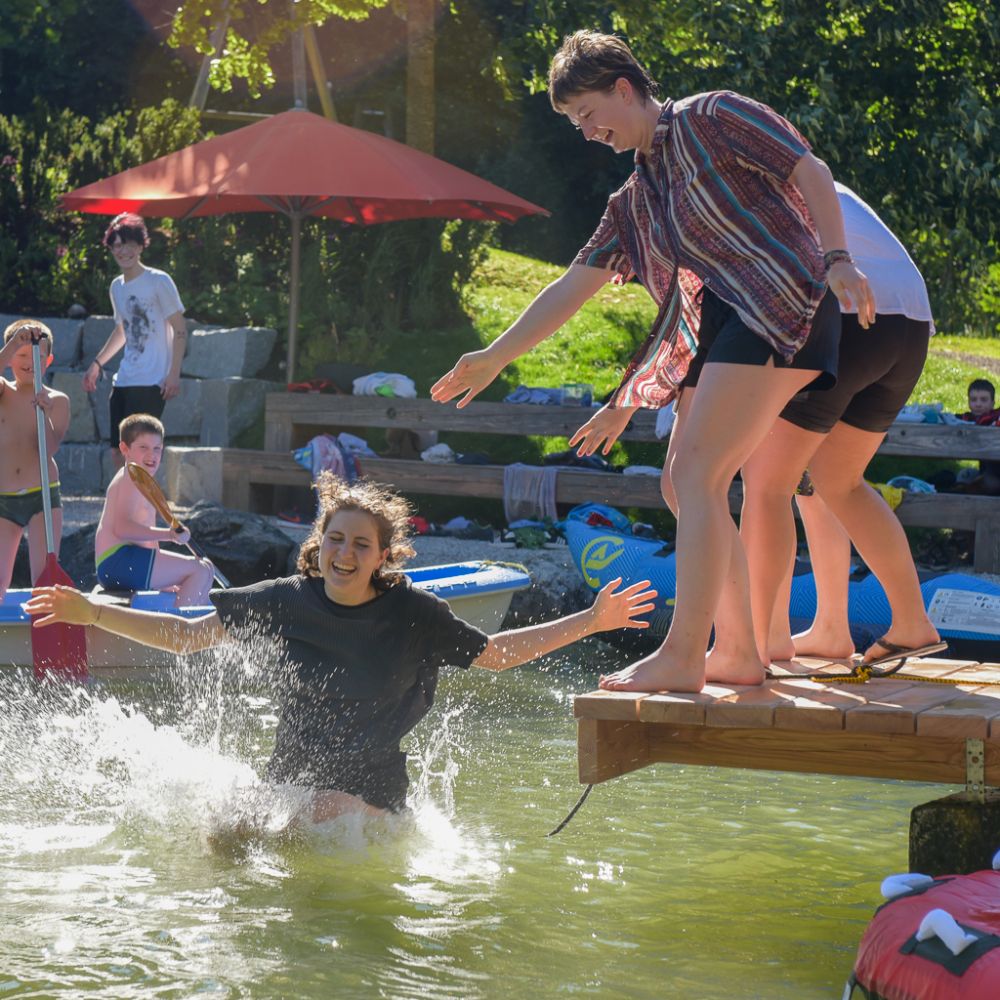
612 609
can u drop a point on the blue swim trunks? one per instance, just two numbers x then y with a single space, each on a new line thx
126 567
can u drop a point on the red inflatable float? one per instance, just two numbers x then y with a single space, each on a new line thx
937 940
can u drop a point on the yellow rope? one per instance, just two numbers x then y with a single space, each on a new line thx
863 673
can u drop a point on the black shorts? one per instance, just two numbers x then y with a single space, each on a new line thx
378 778
723 338
128 399
878 369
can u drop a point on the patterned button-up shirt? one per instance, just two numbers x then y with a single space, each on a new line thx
711 205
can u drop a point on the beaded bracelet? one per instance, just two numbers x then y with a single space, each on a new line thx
832 257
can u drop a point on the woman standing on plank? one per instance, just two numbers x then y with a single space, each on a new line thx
360 648
726 202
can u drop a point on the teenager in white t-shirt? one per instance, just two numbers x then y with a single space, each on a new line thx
150 325
836 433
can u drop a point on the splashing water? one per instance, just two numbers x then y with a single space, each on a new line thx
141 855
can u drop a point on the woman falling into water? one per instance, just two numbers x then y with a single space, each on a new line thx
361 648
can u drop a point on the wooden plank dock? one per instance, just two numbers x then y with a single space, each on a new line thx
915 730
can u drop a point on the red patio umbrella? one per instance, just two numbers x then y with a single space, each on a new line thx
301 164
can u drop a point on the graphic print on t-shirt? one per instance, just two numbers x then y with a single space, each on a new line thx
137 327
142 306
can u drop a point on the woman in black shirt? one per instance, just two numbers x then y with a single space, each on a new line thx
360 648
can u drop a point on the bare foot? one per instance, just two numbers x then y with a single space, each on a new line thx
659 671
824 643
723 668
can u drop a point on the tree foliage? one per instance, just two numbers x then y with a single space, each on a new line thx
255 29
898 96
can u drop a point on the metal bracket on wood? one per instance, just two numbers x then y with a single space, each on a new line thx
975 770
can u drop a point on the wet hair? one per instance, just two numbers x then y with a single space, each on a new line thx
390 512
139 423
986 385
20 324
127 227
591 61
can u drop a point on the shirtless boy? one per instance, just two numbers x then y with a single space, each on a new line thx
127 545
20 479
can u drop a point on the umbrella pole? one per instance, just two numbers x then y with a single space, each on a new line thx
293 296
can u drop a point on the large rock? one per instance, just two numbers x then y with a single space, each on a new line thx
192 474
182 415
96 330
229 406
244 546
102 415
220 353
66 336
82 469
76 557
82 426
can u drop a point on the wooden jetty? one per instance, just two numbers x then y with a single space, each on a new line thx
916 730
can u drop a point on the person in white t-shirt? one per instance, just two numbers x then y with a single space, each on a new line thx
836 433
150 325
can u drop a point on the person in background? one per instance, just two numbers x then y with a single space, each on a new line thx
150 326
21 504
983 412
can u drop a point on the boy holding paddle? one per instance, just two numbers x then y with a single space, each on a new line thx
20 479
127 544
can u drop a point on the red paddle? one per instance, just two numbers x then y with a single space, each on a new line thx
60 650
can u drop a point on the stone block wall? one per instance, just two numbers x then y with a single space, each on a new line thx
219 399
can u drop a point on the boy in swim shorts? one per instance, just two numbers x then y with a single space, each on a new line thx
127 544
20 479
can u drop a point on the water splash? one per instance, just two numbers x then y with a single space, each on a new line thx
183 758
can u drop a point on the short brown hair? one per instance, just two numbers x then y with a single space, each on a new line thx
592 61
390 512
139 423
984 385
128 228
20 324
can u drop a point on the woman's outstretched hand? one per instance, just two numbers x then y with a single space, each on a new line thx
604 427
61 604
853 291
472 373
613 608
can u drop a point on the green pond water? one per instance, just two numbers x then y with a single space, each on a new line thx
121 876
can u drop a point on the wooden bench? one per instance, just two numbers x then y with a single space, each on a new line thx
294 418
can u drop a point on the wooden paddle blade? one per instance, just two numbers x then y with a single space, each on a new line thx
150 489
58 651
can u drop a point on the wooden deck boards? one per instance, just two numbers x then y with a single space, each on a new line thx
897 727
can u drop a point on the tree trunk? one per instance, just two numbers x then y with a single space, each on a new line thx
420 75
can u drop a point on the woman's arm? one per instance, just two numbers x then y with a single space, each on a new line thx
151 628
554 305
813 179
612 609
